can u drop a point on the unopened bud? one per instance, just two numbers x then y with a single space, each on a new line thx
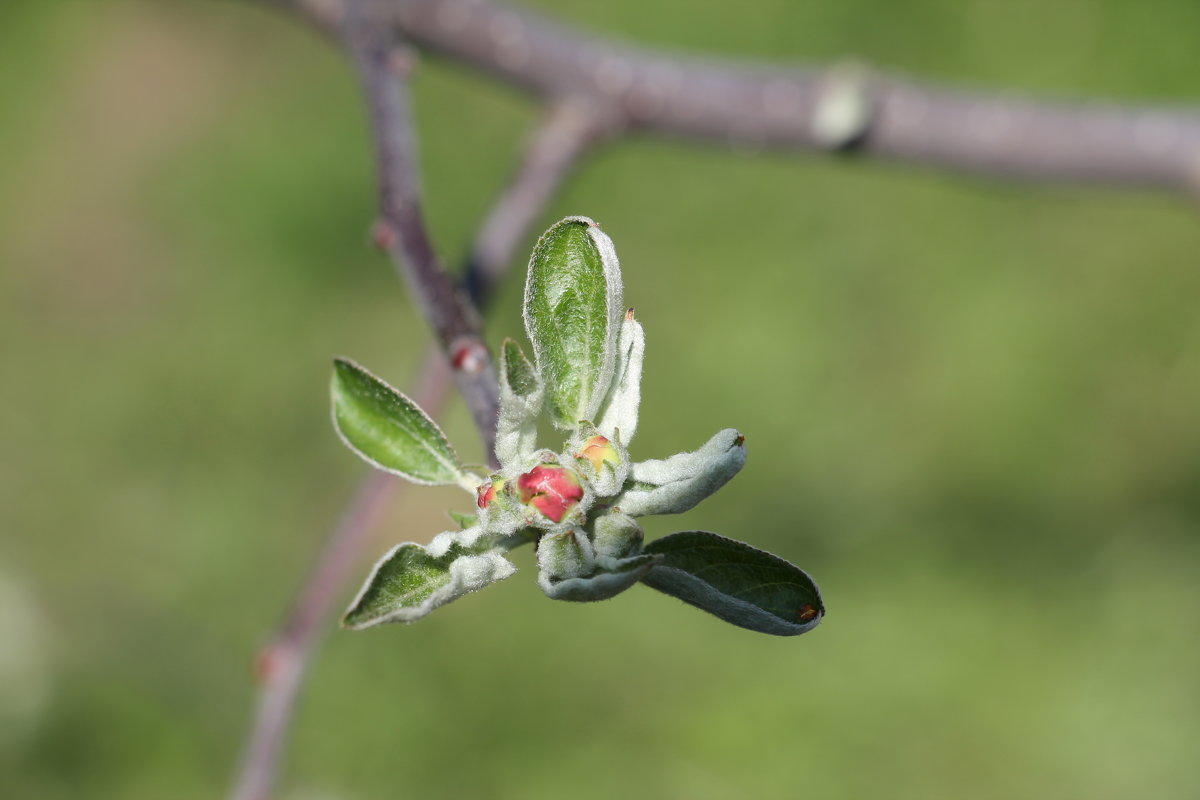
551 489
383 234
599 451
617 536
603 461
486 493
564 555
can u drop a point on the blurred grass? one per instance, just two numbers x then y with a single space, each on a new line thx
971 409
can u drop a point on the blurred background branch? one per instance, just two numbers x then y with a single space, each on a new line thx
844 107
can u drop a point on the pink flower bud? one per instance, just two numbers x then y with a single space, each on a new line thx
551 489
486 493
599 451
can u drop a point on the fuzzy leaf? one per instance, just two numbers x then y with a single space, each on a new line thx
674 485
388 430
520 402
516 373
411 580
620 410
602 584
572 314
736 582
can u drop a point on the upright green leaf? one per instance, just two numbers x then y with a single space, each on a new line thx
411 580
573 309
736 582
388 430
520 403
619 412
516 373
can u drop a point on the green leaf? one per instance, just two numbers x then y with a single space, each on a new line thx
464 521
516 372
520 402
390 431
572 314
411 580
736 582
619 413
674 485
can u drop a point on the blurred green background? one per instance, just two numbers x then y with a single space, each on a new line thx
973 412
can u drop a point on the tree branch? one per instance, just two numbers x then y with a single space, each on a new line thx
843 108
383 69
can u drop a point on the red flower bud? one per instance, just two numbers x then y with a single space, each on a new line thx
551 489
486 492
599 451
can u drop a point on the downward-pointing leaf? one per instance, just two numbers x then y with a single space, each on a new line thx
387 429
572 314
411 580
736 582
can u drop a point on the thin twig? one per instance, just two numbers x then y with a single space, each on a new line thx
281 664
383 69
831 108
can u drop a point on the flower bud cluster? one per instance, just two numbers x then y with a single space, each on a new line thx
580 505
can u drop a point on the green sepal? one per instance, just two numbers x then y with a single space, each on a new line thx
740 584
390 431
573 309
464 521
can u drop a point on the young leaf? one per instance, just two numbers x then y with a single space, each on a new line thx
674 485
520 401
604 583
620 410
390 431
516 373
572 314
736 582
411 580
